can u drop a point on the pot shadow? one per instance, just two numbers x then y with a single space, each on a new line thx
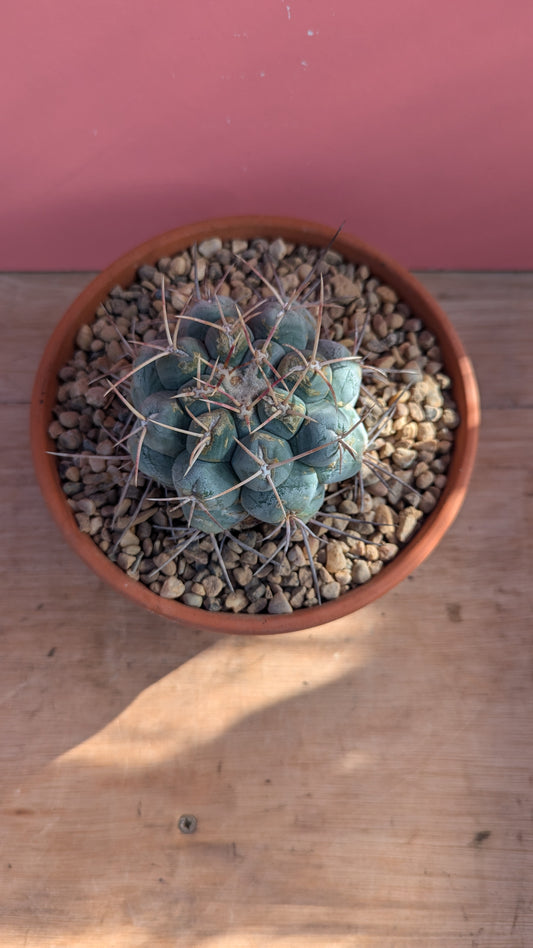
323 800
69 666
94 833
94 847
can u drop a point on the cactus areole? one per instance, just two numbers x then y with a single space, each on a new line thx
246 414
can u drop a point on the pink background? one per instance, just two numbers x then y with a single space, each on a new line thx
410 120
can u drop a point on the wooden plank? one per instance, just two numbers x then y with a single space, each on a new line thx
493 314
368 783
30 306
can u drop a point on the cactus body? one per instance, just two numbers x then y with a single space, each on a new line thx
246 415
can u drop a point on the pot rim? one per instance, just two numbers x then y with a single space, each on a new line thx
122 271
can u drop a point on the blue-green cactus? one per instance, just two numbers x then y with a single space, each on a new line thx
246 414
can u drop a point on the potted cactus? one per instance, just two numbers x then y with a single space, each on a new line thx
243 417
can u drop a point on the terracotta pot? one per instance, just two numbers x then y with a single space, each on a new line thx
123 271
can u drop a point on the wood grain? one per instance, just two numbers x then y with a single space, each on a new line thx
368 783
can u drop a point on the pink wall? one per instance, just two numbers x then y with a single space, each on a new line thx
409 119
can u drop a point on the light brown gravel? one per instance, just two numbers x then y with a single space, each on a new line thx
415 444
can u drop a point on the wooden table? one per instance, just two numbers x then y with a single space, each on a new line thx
368 783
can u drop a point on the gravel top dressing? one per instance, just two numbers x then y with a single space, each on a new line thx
406 404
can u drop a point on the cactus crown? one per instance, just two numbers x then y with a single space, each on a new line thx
246 414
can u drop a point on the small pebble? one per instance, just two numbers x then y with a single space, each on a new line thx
172 588
213 604
407 522
426 431
361 572
55 429
108 332
387 294
84 522
192 599
278 249
73 474
84 337
236 601
385 520
387 551
213 585
279 604
128 539
96 525
70 440
86 505
96 396
411 372
330 590
296 556
208 248
161 561
242 575
424 480
298 597
404 457
427 501
348 507
345 288
125 561
69 419
258 605
97 465
336 559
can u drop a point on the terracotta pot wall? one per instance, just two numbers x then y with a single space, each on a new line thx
457 365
